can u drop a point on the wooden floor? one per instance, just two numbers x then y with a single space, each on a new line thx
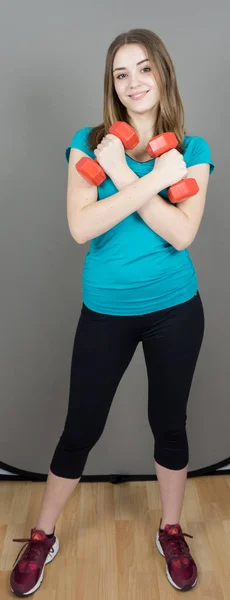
107 540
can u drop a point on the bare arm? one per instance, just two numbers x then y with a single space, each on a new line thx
100 217
88 218
179 224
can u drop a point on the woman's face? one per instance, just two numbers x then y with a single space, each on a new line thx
135 83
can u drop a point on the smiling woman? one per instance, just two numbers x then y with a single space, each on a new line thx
135 81
138 91
138 61
127 222
139 285
140 94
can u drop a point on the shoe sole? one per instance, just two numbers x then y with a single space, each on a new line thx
187 587
49 559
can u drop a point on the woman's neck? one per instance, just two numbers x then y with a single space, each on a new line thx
144 125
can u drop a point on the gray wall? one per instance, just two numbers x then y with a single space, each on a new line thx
52 68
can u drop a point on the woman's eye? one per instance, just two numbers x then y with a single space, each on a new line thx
123 74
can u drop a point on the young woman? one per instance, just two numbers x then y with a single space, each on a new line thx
139 285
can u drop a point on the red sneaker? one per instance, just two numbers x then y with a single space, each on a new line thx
181 569
27 574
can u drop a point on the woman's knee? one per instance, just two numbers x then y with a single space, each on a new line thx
71 454
78 441
171 449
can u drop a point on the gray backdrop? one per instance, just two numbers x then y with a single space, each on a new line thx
52 68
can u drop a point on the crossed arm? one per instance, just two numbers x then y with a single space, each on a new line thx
177 224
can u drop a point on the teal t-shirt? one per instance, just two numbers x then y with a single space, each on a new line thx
130 269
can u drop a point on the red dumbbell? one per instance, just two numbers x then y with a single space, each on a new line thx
184 188
90 168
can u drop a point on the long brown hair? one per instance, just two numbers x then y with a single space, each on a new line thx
170 112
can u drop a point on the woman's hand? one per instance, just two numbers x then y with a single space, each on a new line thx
110 155
170 167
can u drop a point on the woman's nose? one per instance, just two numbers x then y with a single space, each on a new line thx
134 80
134 84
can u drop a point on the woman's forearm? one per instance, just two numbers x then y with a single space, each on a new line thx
163 218
98 217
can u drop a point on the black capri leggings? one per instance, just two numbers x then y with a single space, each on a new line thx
103 348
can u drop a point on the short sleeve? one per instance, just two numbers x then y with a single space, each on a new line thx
200 153
80 141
